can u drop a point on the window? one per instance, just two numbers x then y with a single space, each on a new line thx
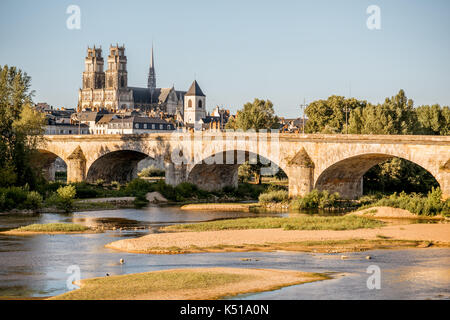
136 125
153 126
190 103
160 126
199 104
145 126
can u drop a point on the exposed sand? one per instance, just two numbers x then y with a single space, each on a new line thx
190 241
256 280
389 212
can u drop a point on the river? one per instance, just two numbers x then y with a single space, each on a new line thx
36 266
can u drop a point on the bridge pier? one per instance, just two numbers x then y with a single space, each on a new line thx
444 181
76 166
300 171
175 173
49 172
301 180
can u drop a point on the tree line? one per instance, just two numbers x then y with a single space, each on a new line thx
397 115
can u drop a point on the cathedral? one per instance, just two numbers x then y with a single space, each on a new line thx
109 90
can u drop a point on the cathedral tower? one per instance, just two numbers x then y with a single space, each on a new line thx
151 74
93 75
117 75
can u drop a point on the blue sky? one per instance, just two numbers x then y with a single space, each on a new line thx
284 51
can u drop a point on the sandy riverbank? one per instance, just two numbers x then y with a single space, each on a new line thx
410 235
188 284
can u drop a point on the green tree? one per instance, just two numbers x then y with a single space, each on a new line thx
256 115
20 128
433 120
328 116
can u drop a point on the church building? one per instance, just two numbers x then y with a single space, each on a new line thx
109 90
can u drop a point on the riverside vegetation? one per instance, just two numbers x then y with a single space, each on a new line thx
423 205
63 197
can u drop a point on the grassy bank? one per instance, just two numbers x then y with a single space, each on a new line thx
50 228
187 284
288 223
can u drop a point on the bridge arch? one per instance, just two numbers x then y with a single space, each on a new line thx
45 161
345 176
119 165
215 170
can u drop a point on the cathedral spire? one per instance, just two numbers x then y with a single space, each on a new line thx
152 74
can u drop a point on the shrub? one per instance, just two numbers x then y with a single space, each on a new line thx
85 190
115 185
33 201
274 196
139 186
247 190
166 190
140 200
186 190
316 200
65 196
151 171
99 182
415 203
12 198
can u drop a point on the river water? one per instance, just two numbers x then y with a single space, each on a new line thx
36 266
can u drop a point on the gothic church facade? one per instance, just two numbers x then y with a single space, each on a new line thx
109 90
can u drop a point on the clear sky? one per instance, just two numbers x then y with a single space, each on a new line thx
284 51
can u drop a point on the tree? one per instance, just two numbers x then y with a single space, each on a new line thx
256 115
328 116
21 128
433 120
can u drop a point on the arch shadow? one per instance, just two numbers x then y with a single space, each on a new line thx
50 164
120 166
216 171
346 176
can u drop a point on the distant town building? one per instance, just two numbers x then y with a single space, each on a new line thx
292 125
64 128
103 122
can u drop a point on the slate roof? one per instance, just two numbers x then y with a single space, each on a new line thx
144 95
139 120
195 90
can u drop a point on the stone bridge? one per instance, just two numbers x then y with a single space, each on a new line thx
335 163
